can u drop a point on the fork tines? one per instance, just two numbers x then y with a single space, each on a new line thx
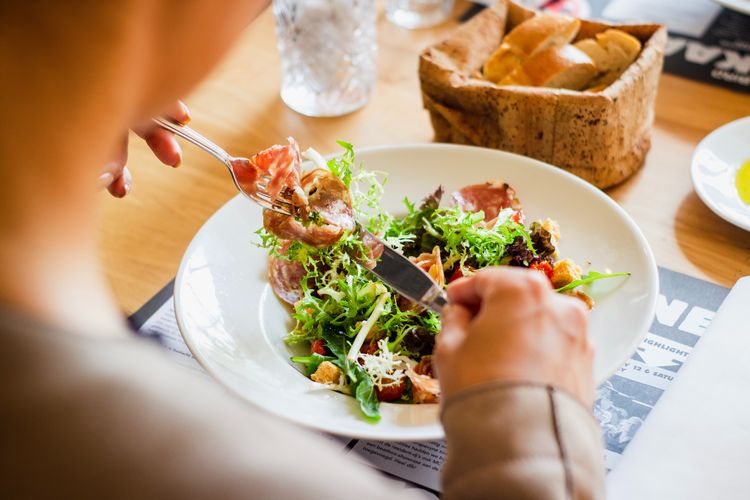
282 204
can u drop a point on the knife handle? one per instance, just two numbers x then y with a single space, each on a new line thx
435 299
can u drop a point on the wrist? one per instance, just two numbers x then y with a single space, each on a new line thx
460 382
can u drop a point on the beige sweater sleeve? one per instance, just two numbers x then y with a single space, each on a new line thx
521 442
98 418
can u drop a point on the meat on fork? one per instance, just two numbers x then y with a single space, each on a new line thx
282 165
328 216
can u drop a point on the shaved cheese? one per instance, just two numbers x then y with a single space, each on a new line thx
367 326
315 157
503 217
384 368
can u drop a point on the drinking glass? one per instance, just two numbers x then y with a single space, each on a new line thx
418 13
327 50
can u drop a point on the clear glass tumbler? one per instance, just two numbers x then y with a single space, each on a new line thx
327 50
418 13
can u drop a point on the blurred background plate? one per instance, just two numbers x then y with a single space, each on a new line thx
235 326
716 162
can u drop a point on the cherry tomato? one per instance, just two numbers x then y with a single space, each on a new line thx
456 275
544 267
369 348
318 347
391 392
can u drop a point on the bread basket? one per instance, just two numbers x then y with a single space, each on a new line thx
602 136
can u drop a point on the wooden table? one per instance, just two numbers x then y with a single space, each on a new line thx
144 236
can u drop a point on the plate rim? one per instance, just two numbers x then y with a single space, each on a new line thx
699 188
652 281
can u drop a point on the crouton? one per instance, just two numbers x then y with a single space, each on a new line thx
565 271
327 373
581 296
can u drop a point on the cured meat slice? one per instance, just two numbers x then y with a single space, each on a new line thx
282 164
425 388
330 212
490 198
432 265
285 277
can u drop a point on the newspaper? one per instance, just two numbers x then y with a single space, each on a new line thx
685 308
707 42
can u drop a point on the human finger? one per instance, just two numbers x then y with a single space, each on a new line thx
464 292
179 112
105 179
121 185
113 170
164 145
572 313
471 291
455 321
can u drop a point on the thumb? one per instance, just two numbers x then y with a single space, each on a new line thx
455 325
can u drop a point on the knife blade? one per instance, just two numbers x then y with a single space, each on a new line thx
402 274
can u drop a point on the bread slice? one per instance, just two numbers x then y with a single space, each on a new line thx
612 51
563 67
596 52
542 31
528 38
501 63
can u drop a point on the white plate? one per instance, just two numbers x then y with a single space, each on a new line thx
738 5
235 326
715 163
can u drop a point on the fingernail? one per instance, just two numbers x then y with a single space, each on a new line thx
127 181
185 110
105 179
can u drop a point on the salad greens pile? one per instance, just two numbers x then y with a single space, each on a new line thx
361 326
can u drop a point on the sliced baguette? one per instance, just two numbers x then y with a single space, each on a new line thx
563 67
528 38
612 51
501 63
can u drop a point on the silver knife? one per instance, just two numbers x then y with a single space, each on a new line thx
402 274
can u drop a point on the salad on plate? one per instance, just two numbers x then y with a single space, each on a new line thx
364 338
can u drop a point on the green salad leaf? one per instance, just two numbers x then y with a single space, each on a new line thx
366 395
343 166
589 278
311 362
360 383
462 236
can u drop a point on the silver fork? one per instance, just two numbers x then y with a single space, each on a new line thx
235 164
390 266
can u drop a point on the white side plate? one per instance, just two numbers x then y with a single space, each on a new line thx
715 163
